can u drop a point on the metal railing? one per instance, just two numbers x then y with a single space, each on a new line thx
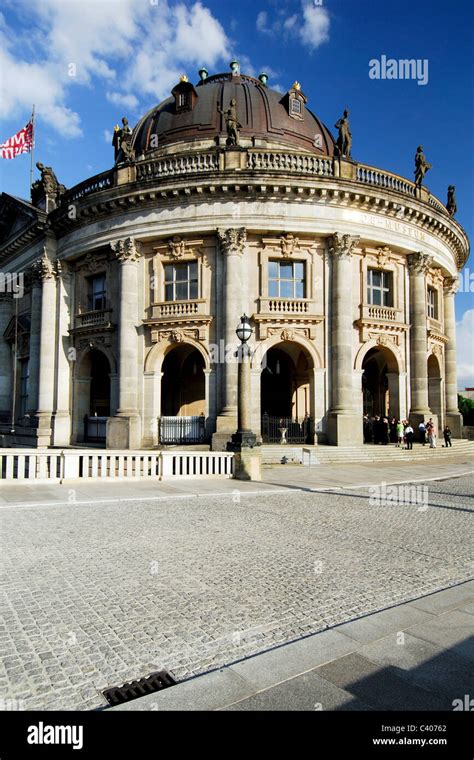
286 429
95 429
182 430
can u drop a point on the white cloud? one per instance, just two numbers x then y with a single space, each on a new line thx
108 136
315 29
465 349
120 99
137 49
311 26
262 23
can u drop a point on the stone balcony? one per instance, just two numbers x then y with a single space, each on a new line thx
384 318
169 319
89 322
274 314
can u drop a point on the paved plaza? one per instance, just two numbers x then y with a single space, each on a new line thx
97 593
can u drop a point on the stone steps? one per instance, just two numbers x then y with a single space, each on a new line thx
367 453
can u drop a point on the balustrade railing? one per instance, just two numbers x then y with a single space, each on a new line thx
369 175
298 163
173 166
382 312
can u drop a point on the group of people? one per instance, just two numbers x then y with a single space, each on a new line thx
400 432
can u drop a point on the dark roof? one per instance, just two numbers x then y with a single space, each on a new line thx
262 112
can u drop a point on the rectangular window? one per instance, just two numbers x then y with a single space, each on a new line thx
379 287
296 106
286 279
96 293
181 281
432 301
24 375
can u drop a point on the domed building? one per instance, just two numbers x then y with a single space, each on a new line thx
228 198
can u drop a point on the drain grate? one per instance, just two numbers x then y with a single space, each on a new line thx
117 695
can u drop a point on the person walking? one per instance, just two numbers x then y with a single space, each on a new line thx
447 436
399 433
422 432
409 433
430 427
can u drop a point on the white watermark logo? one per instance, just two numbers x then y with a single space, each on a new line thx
46 734
403 68
466 704
12 282
383 495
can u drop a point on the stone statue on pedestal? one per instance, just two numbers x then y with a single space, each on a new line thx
122 142
48 185
421 166
451 203
232 122
344 140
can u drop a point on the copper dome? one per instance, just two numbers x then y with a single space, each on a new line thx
264 114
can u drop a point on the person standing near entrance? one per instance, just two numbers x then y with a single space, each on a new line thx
399 433
409 433
422 432
447 436
431 433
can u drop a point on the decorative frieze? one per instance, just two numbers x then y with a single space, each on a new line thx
342 246
127 251
232 241
419 263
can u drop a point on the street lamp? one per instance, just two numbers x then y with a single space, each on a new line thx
243 438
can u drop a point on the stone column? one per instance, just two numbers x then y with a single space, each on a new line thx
123 430
62 414
453 416
344 423
6 366
35 341
46 270
232 244
418 265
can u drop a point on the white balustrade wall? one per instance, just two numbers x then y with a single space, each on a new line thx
59 466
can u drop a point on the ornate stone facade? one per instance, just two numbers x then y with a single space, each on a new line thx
348 273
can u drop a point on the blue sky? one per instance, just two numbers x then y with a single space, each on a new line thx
87 63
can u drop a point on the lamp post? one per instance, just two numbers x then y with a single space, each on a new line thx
243 438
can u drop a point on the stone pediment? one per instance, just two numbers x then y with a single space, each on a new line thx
18 221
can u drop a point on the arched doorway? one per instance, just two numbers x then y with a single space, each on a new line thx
285 394
435 394
380 392
92 397
183 396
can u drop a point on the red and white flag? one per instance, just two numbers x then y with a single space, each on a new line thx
22 142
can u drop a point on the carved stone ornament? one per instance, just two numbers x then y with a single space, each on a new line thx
436 276
176 247
44 269
90 263
176 336
383 256
232 241
287 335
419 263
127 251
343 246
289 243
437 351
451 285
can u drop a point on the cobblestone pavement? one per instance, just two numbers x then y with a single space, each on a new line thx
94 595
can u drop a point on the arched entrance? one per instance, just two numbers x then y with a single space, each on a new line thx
435 394
183 396
92 397
286 393
381 396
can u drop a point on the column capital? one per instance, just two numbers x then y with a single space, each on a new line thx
232 241
128 250
43 269
450 286
419 263
342 246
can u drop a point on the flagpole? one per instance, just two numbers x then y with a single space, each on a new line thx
32 148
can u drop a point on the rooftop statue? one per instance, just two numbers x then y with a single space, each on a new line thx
451 203
344 140
122 142
47 185
232 122
421 166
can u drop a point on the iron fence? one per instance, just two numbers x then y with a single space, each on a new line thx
182 430
286 429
